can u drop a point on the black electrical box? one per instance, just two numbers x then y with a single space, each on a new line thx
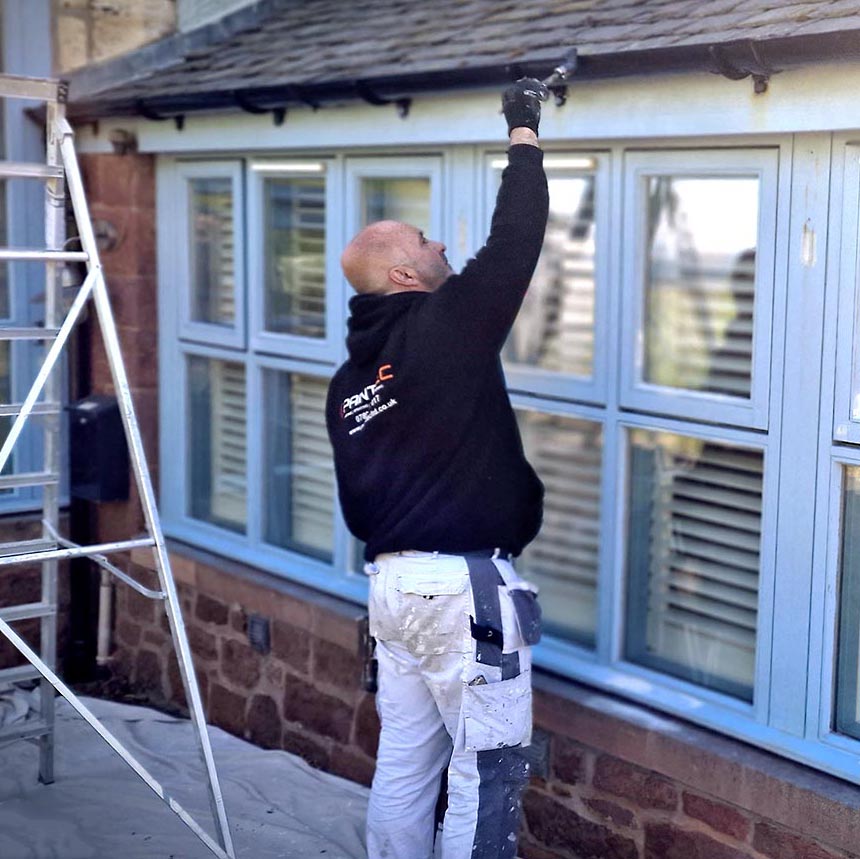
98 450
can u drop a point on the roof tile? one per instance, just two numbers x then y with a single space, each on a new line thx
299 41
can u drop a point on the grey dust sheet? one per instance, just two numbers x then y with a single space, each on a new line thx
97 808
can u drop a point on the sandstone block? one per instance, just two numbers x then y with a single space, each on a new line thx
227 709
668 841
292 645
336 665
211 610
306 747
645 788
264 722
717 815
316 711
240 663
556 825
779 843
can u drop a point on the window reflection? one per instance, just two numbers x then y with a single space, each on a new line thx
213 261
295 256
700 283
555 327
406 200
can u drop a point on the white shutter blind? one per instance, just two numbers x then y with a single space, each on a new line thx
563 559
312 485
702 564
213 251
295 247
229 442
555 327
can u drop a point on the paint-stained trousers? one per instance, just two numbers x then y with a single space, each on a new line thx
454 692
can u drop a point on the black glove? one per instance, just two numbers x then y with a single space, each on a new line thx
521 103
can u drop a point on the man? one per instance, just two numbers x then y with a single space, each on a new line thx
432 476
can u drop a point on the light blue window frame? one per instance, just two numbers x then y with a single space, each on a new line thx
568 163
190 329
310 348
792 702
640 395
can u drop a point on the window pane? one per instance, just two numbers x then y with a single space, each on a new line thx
563 559
212 251
299 486
216 443
700 280
694 533
555 327
847 716
295 255
406 200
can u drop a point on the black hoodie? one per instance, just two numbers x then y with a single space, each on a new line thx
427 451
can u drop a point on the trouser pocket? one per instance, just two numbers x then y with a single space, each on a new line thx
497 714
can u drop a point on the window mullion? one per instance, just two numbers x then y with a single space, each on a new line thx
795 457
611 582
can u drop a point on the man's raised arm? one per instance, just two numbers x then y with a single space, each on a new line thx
483 300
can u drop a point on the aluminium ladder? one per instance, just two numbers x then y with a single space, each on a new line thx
61 169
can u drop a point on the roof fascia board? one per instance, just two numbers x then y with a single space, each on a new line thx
672 107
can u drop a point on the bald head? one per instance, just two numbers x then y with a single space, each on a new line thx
389 256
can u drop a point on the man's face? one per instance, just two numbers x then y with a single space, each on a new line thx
428 259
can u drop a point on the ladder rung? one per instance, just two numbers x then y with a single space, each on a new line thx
27 729
18 86
37 408
29 478
22 170
25 611
28 333
19 547
7 254
19 673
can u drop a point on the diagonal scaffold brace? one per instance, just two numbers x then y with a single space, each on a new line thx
62 165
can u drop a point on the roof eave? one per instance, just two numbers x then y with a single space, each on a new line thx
735 59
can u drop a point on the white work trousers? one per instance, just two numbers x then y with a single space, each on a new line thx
449 700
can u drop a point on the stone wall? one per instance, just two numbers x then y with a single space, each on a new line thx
88 31
622 782
304 695
611 780
121 195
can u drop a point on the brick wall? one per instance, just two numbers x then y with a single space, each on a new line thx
121 193
618 781
304 695
613 780
622 782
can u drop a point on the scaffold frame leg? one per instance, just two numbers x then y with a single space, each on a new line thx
62 163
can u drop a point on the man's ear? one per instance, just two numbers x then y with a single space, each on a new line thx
403 276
